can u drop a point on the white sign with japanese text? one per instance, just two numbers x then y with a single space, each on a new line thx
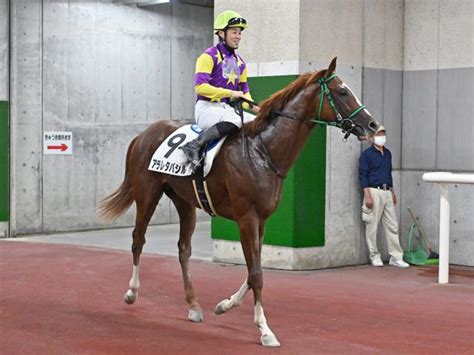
57 143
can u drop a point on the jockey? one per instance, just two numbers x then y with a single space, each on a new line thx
221 75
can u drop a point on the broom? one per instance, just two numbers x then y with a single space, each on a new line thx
432 255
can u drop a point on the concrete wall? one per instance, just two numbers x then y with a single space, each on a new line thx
411 63
105 72
4 74
382 81
4 40
320 41
419 80
268 52
438 111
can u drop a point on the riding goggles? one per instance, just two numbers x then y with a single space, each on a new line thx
236 21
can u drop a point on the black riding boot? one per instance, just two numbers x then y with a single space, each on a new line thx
192 149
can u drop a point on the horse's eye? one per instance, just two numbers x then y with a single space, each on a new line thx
343 92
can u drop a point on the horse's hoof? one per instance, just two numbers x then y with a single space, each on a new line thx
130 297
220 308
269 340
195 315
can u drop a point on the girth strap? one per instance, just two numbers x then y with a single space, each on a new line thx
202 192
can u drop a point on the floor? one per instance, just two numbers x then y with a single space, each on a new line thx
68 299
161 239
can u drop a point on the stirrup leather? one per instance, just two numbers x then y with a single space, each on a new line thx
192 150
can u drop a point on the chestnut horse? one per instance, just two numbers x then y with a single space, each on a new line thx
245 182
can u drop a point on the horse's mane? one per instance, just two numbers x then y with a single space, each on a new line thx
278 100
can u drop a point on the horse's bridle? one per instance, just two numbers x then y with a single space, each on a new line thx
347 124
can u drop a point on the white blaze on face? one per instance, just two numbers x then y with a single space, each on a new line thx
355 97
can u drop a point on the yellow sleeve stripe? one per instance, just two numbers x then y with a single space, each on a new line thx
248 97
212 92
204 64
243 76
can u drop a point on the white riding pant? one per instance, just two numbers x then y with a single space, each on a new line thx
207 114
383 210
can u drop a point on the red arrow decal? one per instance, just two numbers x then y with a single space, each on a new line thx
62 147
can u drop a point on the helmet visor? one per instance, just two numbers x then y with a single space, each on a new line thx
236 21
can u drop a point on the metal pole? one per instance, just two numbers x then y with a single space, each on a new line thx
443 274
443 179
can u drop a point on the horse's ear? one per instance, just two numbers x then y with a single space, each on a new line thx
331 67
319 74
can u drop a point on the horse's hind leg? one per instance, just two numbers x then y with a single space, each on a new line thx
146 204
187 223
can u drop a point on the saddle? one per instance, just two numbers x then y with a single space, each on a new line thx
168 159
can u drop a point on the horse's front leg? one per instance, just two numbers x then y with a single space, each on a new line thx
251 236
237 298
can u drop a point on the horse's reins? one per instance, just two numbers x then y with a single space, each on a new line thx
237 105
347 125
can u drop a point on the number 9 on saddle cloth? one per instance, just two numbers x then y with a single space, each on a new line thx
169 159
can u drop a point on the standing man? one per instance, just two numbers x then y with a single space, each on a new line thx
375 175
221 75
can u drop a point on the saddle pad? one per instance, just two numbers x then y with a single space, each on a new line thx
168 159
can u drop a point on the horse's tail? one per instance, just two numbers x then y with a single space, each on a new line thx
119 201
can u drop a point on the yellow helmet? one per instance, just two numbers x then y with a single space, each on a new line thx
228 19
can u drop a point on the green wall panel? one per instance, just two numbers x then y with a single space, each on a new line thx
4 161
310 191
299 219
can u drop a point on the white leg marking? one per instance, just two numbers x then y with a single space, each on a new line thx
235 300
134 282
267 338
132 294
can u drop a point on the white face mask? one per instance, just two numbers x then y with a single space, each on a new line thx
380 140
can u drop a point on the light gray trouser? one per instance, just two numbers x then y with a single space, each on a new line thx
383 209
207 114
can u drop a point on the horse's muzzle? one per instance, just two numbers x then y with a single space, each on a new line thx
373 125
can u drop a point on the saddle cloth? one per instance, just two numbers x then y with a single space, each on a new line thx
168 159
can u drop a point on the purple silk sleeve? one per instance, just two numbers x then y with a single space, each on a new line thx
244 87
201 78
